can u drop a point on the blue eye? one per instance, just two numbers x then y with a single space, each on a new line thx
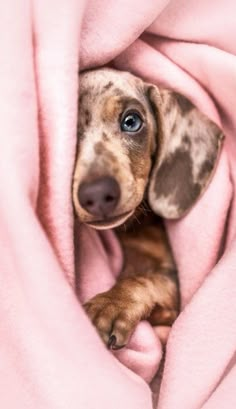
132 122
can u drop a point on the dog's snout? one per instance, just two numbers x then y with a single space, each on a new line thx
100 196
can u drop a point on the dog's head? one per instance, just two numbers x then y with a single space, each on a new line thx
133 137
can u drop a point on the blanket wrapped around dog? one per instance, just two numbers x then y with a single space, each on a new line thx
51 356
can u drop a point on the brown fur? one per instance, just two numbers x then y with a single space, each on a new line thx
147 287
169 161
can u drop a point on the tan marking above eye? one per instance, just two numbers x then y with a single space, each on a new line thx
116 105
111 109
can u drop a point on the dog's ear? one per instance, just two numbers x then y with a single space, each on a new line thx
188 146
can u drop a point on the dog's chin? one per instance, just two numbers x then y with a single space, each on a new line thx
110 223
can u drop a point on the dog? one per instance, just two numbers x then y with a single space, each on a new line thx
138 144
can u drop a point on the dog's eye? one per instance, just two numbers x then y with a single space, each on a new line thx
132 122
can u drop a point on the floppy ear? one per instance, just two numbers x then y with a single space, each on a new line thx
188 149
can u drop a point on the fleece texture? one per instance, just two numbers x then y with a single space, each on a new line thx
51 356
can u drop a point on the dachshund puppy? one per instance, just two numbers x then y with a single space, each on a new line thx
137 142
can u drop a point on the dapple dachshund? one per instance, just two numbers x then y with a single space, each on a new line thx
139 148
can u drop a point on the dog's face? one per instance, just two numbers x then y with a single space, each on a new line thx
131 136
117 138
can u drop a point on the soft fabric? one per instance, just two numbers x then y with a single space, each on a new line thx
51 356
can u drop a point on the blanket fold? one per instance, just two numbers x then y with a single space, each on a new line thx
51 356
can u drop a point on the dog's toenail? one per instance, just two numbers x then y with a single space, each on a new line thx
112 342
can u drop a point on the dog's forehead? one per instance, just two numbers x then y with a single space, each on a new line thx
94 84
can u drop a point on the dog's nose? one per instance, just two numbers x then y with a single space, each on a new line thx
100 196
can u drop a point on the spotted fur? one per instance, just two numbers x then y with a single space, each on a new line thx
170 162
189 153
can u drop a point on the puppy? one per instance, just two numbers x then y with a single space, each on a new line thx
137 142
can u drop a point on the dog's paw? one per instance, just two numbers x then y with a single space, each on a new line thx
114 317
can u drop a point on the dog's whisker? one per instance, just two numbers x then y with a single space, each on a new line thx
145 206
136 218
142 211
141 207
124 226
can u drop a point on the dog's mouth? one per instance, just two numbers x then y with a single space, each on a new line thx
111 222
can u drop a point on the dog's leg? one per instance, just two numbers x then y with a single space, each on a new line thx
117 312
147 289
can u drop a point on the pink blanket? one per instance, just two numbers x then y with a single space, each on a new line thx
50 355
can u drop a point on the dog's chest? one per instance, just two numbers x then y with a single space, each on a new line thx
145 245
